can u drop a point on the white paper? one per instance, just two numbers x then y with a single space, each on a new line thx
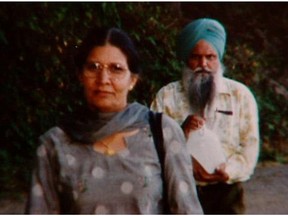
206 148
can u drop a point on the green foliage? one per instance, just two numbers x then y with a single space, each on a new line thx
252 69
38 81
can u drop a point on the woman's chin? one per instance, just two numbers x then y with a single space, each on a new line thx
106 107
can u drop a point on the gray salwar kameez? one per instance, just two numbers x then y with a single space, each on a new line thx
71 177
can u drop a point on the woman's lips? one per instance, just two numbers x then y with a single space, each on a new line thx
102 93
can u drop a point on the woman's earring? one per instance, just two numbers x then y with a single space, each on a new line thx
131 87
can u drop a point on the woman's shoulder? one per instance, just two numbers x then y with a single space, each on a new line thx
171 128
53 135
168 121
53 131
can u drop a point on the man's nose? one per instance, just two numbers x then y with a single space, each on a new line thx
203 62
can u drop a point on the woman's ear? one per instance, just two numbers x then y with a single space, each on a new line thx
134 80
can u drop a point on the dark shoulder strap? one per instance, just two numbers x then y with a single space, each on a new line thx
155 120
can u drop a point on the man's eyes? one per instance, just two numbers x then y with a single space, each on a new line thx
211 57
199 57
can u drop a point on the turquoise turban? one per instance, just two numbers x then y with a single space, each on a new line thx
201 29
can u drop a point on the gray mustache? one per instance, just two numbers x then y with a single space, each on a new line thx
202 71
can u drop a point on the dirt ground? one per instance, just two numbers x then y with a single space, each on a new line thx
266 192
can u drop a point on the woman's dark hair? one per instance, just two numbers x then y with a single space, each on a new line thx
100 36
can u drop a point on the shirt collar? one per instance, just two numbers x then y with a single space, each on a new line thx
222 87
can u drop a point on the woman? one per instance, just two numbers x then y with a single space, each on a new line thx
102 159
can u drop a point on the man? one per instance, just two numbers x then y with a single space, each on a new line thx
205 98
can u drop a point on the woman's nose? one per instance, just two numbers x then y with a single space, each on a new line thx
103 76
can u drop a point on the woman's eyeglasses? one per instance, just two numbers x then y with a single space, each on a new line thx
93 69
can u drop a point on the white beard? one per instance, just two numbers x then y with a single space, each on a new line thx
201 87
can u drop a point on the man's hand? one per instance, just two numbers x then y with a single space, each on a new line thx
200 174
192 122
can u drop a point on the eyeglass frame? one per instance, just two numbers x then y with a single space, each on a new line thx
112 72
